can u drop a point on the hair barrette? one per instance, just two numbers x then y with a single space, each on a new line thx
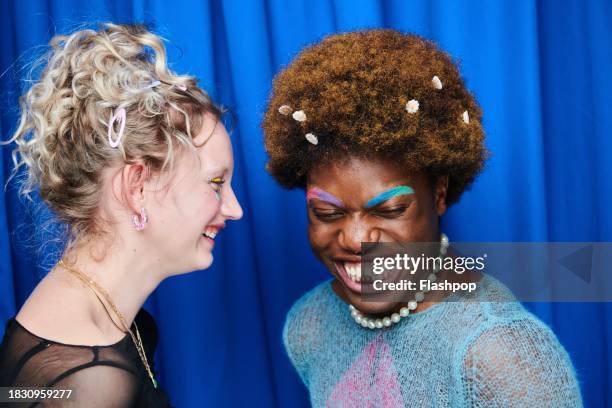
118 116
157 82
153 84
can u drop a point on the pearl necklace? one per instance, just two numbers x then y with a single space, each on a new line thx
379 323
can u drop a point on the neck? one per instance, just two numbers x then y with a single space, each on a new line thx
126 276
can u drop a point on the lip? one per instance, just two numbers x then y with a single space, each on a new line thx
209 241
343 275
216 228
354 259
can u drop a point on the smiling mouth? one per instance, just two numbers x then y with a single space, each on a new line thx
349 274
210 232
353 270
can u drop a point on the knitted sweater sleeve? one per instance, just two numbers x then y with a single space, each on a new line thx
517 363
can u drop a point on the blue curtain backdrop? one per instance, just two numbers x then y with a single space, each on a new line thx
541 70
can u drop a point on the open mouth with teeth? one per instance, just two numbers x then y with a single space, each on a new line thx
353 270
350 274
210 233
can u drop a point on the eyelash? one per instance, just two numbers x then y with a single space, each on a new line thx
390 212
330 216
217 183
327 215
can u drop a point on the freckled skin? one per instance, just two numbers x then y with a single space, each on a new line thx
336 233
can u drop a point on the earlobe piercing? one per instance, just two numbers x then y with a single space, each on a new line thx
140 222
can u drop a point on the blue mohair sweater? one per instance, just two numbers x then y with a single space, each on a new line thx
482 350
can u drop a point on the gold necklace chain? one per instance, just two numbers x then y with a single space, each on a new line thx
95 288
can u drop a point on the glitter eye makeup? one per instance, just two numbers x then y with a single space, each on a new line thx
316 193
389 194
217 183
217 180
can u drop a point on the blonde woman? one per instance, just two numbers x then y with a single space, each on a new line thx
133 158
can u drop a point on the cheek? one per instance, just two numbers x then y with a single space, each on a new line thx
415 226
397 229
320 236
196 206
209 206
400 229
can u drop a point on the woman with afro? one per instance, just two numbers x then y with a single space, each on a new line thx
380 131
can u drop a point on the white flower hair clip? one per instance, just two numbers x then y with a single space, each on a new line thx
435 81
285 110
412 106
313 139
300 116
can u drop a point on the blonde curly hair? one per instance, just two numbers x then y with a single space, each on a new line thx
62 133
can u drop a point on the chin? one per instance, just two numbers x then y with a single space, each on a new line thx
366 307
378 308
200 264
205 264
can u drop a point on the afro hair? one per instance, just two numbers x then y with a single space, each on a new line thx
354 90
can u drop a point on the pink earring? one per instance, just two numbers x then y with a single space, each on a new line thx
140 222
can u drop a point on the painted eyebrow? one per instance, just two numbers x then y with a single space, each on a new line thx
317 193
389 194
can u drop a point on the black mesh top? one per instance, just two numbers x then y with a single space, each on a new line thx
101 376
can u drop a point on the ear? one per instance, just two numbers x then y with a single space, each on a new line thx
440 194
133 177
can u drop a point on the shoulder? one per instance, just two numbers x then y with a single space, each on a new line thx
304 324
522 335
492 290
111 386
506 326
494 301
101 385
311 307
319 296
516 360
61 311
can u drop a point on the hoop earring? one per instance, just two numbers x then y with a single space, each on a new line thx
140 222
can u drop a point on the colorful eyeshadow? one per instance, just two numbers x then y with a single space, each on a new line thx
389 194
323 196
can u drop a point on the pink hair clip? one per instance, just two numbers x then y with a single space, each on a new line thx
119 115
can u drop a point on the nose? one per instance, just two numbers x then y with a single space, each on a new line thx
230 207
354 232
